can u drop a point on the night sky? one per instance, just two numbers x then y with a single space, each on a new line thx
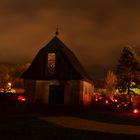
95 30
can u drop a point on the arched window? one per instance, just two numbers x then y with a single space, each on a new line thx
51 62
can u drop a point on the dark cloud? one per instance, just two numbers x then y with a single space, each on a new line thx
95 30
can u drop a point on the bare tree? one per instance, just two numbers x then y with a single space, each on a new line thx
110 82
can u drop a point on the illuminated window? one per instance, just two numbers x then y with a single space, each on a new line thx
51 62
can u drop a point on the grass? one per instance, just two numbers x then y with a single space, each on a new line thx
31 128
19 123
111 117
102 115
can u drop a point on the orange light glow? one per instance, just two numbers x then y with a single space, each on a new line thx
125 104
135 111
115 100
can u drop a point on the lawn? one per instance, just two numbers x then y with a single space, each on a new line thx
102 115
31 128
18 123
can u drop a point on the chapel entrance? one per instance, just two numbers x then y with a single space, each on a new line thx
56 94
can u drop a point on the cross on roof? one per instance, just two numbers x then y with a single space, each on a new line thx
57 32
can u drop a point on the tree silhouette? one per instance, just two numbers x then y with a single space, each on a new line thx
128 70
12 73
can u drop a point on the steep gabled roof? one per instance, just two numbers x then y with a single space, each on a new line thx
68 66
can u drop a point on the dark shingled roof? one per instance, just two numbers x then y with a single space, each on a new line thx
67 65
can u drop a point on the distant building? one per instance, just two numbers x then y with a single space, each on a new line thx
57 77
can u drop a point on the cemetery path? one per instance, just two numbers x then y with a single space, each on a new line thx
89 125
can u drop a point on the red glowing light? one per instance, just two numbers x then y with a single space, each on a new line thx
21 98
100 98
106 101
118 106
